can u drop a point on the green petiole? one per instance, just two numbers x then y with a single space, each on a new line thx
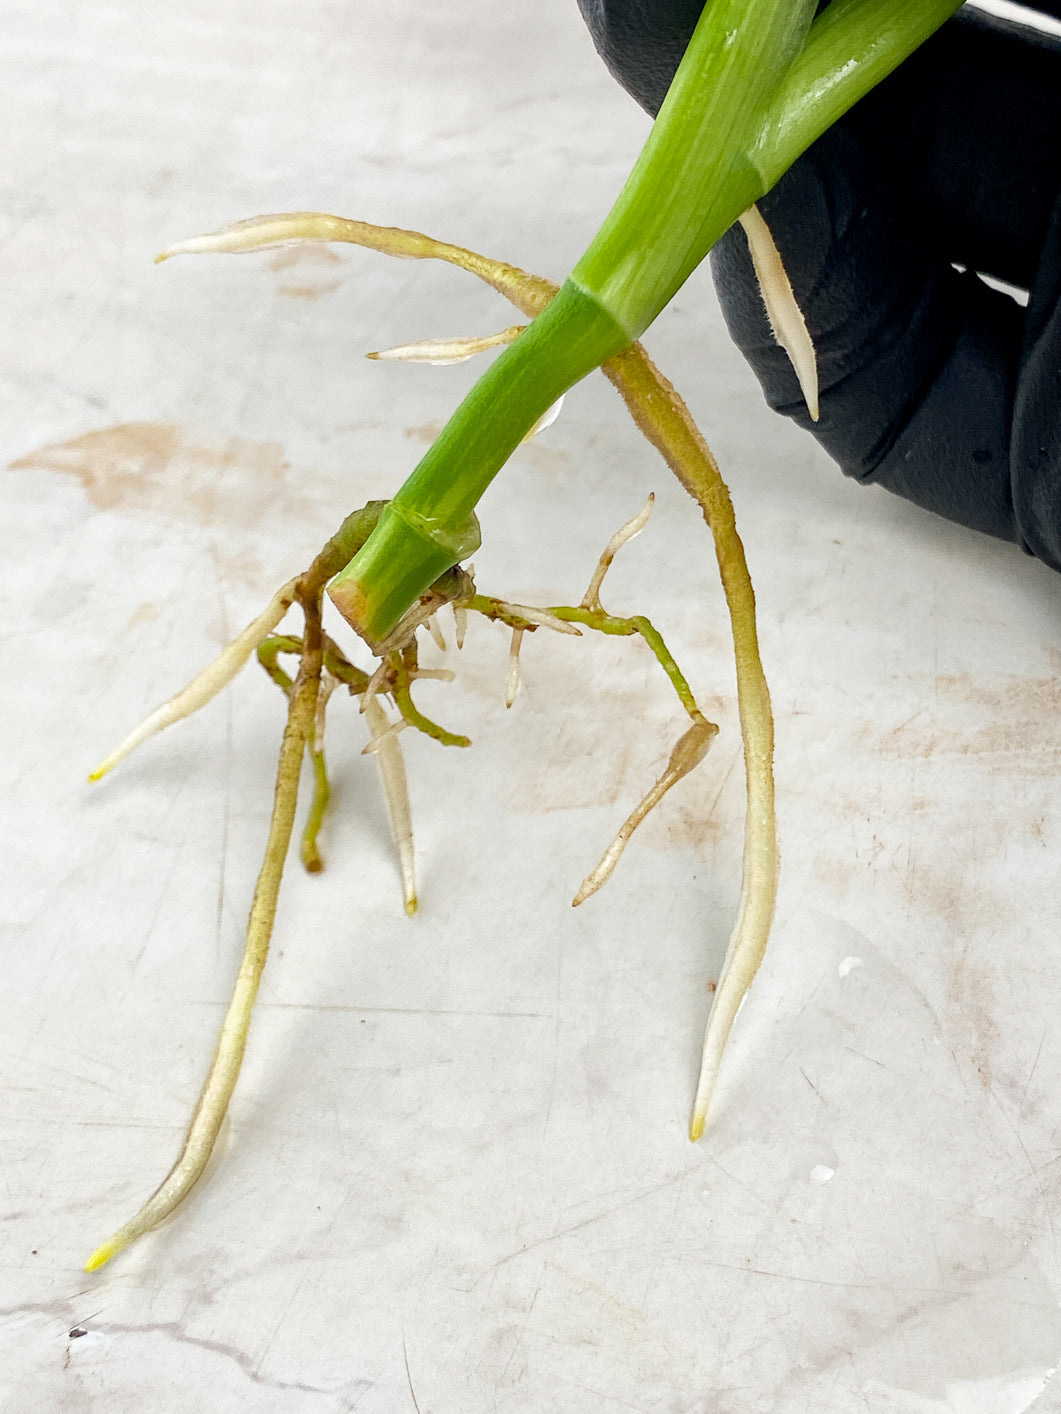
760 81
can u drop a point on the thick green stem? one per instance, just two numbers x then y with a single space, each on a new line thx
430 524
759 82
851 47
697 172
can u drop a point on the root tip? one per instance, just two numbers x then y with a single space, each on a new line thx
103 1253
412 906
696 1128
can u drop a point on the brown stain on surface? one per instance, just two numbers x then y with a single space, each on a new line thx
969 1018
1010 723
425 432
154 471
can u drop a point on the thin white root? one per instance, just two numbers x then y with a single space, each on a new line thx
786 318
375 683
263 233
547 419
530 293
329 682
540 617
441 352
407 625
512 678
434 628
388 751
747 946
687 754
460 624
380 739
433 675
206 684
591 598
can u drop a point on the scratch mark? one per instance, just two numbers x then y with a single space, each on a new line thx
1027 1083
862 1055
603 1395
173 1331
826 1282
556 1034
159 906
408 1373
738 1184
812 1085
587 1222
1003 1188
523 1326
1033 1172
58 1311
280 1320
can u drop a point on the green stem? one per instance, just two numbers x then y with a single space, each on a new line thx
430 525
852 46
697 171
758 83
625 628
404 665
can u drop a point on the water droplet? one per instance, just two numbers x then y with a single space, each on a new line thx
848 965
821 1174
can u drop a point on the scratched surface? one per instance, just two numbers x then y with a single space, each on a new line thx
456 1176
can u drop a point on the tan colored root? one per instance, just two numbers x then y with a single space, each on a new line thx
224 1070
664 419
687 754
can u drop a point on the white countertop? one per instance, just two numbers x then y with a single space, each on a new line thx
457 1176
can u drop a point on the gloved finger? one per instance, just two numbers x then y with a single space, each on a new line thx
642 42
969 128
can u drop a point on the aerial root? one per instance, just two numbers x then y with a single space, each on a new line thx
208 683
512 676
782 309
625 533
224 1071
688 752
447 351
388 752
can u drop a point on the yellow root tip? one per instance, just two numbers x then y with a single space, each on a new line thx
103 1253
411 906
696 1128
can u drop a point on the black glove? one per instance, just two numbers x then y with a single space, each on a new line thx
932 384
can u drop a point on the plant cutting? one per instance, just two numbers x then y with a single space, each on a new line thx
759 82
